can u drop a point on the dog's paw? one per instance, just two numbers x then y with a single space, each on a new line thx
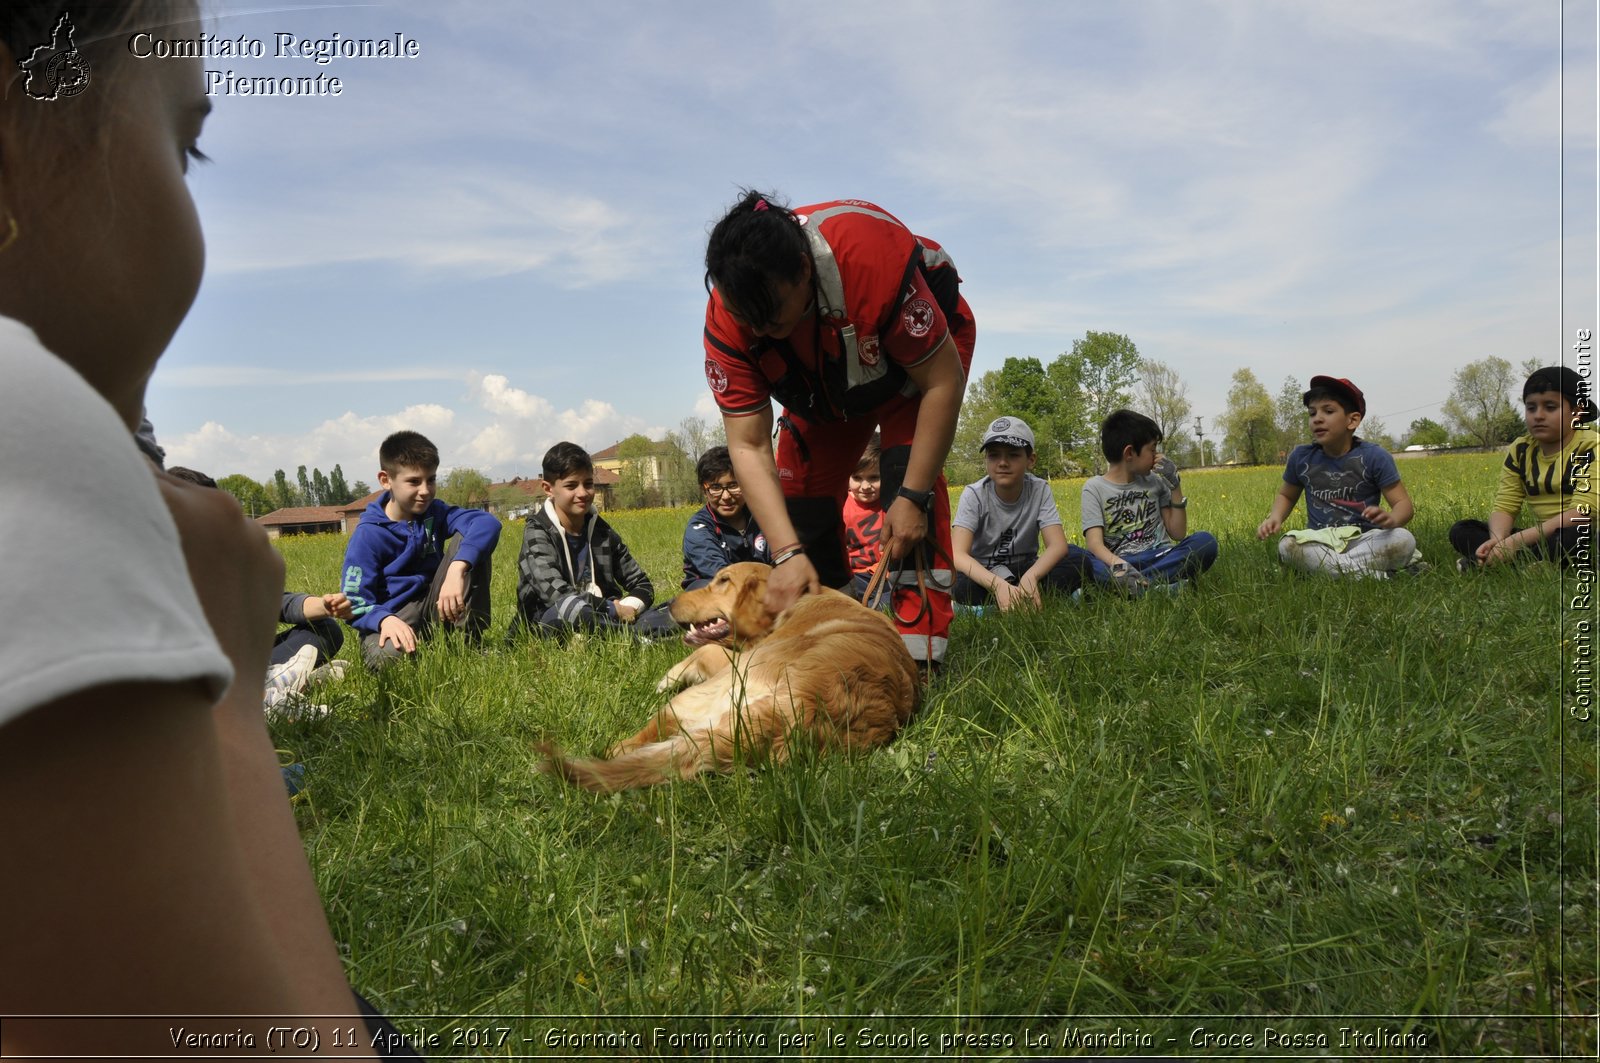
681 675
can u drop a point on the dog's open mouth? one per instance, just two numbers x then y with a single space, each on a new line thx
702 632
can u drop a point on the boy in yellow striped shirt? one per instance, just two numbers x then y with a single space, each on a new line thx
1551 470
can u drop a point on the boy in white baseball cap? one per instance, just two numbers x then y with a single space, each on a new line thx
999 523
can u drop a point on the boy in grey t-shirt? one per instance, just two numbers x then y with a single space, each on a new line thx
1135 519
998 524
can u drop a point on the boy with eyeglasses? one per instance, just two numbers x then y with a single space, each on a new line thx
724 530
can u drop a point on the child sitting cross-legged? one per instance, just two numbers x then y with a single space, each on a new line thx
999 522
724 531
1343 478
574 571
414 560
1135 516
1551 469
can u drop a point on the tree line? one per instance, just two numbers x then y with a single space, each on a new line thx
1064 403
313 489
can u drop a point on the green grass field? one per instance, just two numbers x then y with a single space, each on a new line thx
1261 810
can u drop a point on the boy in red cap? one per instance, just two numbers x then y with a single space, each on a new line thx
1343 478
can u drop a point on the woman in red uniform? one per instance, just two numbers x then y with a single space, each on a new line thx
851 322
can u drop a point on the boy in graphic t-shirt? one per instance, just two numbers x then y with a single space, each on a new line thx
1343 478
1135 516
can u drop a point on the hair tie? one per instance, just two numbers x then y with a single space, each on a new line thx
761 205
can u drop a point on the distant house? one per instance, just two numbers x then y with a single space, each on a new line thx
352 512
516 498
315 520
655 470
303 520
513 499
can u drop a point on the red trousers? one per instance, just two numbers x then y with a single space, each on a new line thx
814 466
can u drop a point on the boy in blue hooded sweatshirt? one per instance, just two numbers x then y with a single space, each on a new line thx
398 573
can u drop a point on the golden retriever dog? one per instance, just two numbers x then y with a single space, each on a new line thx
826 671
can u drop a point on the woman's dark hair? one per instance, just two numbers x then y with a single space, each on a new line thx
757 245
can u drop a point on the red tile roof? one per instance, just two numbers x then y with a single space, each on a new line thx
302 515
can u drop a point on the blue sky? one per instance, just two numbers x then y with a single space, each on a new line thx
499 243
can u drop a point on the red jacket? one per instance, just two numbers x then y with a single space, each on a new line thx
884 299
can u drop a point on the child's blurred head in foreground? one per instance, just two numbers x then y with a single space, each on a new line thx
102 250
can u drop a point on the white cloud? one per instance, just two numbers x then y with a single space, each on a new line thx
496 395
241 376
494 447
504 434
483 223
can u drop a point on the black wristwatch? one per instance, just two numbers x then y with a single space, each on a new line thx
919 498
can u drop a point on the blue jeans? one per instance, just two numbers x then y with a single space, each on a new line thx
1186 558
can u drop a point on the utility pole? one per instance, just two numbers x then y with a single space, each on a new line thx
1200 434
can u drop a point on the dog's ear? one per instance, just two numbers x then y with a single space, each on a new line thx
749 612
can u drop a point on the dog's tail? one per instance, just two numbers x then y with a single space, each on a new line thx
680 757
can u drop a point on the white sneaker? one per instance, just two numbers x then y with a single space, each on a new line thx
331 672
297 708
289 678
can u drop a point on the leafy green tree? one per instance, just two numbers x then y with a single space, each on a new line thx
307 496
1426 433
283 495
1249 428
467 488
636 481
692 438
360 489
1107 367
980 406
1479 401
321 489
1289 416
338 491
1376 432
1509 425
1021 387
1164 398
254 497
1182 448
1077 440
